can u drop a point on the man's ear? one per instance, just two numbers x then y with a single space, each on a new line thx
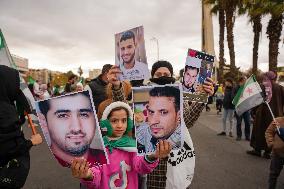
178 117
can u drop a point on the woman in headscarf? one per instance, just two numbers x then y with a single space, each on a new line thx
274 95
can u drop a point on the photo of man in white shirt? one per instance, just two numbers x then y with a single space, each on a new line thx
132 69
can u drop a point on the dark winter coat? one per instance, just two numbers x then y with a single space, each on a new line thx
98 87
263 117
229 94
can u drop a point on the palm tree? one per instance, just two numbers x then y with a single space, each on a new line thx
218 7
276 10
255 11
230 8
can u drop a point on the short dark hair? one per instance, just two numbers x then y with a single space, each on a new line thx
242 78
127 35
191 68
44 106
230 80
71 77
159 64
106 68
167 91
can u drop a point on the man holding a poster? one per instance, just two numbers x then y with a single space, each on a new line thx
131 68
163 119
69 125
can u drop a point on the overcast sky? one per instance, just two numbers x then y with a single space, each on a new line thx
64 34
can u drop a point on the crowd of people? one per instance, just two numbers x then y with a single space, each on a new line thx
161 134
110 96
266 133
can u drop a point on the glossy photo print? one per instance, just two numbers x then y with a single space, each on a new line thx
198 67
130 54
71 129
157 116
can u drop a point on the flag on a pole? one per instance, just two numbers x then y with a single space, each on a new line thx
1 41
31 80
248 96
6 59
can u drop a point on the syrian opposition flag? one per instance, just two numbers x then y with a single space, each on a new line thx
6 59
248 96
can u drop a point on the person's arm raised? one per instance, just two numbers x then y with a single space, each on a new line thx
116 85
192 110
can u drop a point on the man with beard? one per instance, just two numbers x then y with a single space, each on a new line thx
68 86
97 86
131 68
162 73
69 124
163 118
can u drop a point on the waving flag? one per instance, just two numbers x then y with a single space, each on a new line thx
6 59
248 96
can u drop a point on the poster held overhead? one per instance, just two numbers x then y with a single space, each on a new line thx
130 54
198 67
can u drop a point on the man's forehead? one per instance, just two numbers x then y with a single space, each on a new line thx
73 102
166 100
127 42
191 70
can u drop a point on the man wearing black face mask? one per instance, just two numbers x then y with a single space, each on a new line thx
161 74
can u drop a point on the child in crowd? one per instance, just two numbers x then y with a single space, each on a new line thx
125 165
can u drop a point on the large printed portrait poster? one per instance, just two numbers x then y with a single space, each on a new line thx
130 54
71 129
158 113
198 67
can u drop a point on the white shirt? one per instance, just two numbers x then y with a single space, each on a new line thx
139 71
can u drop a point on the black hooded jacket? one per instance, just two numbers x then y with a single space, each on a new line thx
98 87
12 141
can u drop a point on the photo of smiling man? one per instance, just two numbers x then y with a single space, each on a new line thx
163 117
131 54
71 129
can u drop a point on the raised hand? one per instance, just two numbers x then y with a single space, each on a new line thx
208 86
80 169
36 139
162 150
112 76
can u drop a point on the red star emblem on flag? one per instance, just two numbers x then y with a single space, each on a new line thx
192 53
249 91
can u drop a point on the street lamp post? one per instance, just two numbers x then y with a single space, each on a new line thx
157 41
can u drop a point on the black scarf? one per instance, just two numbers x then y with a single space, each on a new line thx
163 80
